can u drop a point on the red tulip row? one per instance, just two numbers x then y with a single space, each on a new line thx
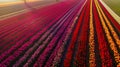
79 37
103 45
111 28
108 29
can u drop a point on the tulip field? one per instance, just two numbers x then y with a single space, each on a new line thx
70 33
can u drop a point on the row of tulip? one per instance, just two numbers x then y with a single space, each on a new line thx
103 47
71 22
76 55
51 34
91 39
27 25
52 46
71 47
104 42
80 55
58 56
83 50
46 52
112 30
61 49
53 43
107 32
7 53
28 48
38 44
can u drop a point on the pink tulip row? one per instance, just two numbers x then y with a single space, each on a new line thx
45 38
25 28
22 40
52 46
27 45
28 29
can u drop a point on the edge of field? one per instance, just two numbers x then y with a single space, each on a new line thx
115 16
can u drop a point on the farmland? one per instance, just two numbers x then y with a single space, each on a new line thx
71 33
